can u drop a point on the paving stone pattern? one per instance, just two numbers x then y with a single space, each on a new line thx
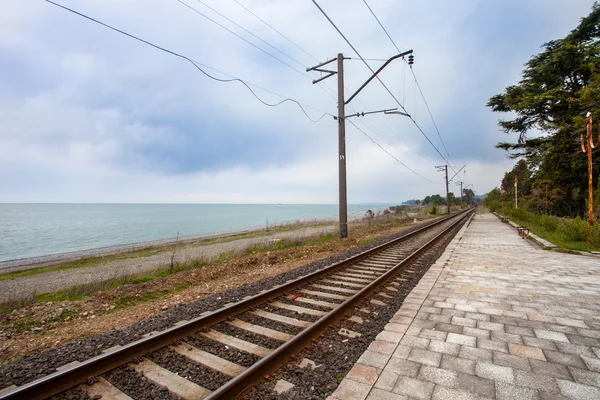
494 318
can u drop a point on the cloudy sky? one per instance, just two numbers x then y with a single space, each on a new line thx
90 115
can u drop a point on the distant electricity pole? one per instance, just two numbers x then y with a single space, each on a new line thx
445 168
586 146
341 118
516 191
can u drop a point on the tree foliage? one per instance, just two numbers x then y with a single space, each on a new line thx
558 87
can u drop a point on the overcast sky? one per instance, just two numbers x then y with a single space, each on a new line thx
90 115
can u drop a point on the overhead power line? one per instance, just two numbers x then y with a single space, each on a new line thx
415 77
380 81
241 37
390 154
325 87
281 34
194 63
250 33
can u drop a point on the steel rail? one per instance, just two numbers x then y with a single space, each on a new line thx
67 378
233 388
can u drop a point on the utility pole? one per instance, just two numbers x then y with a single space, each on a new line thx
586 147
461 194
516 191
343 199
445 168
341 118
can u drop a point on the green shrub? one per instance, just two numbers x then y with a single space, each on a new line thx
550 222
434 209
575 229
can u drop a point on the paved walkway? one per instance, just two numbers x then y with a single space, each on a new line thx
494 317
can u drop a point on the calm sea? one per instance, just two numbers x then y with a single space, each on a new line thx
31 230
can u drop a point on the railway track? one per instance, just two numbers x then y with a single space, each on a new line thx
222 353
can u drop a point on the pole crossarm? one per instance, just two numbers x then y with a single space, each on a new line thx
377 72
450 180
362 114
318 69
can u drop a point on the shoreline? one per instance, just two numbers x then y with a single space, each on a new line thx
69 256
47 260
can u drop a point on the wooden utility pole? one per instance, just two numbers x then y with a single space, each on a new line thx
516 191
587 146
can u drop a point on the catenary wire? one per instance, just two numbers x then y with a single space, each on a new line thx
281 34
195 64
380 81
241 37
250 33
322 85
415 77
390 154
326 88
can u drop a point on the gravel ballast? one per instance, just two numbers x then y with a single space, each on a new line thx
46 362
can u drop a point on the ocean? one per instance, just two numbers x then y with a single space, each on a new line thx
33 230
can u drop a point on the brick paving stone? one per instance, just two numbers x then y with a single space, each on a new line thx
536 381
443 347
494 317
540 343
433 334
552 396
475 354
551 369
575 349
474 384
463 340
403 367
585 377
458 364
379 394
551 335
438 376
492 326
526 351
493 345
444 393
507 337
425 357
509 360
563 358
402 351
510 392
387 380
592 363
364 373
578 391
478 333
519 330
351 390
373 359
382 347
583 340
414 388
495 372
449 327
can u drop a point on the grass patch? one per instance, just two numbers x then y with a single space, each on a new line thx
568 234
339 377
366 241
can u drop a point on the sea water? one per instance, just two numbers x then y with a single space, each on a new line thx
32 230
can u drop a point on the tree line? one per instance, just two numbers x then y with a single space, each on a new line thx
547 115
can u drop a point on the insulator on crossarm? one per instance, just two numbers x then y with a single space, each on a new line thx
411 59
